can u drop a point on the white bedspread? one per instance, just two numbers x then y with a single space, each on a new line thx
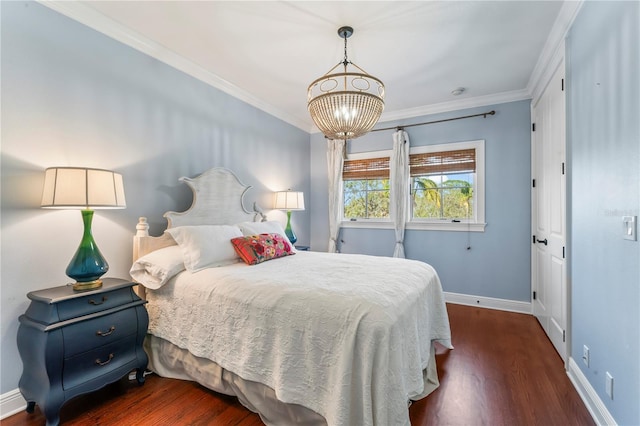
347 336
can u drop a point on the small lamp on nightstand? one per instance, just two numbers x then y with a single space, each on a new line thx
85 189
289 200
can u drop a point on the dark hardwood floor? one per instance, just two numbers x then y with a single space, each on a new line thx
503 371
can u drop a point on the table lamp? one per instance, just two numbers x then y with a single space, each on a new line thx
85 189
289 200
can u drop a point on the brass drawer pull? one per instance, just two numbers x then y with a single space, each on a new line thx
101 363
106 333
93 302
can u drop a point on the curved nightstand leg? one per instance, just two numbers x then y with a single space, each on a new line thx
31 407
51 406
140 375
53 419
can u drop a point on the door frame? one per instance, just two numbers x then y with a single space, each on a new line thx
558 59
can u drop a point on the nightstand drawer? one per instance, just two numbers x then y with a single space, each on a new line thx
93 303
72 343
89 365
91 334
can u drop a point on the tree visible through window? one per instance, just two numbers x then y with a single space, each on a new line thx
442 184
366 188
366 198
442 197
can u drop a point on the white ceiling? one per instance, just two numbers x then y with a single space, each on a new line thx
267 52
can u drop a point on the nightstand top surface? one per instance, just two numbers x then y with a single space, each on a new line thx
66 292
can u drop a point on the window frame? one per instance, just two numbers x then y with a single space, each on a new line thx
478 190
431 224
372 221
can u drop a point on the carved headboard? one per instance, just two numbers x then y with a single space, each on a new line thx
217 200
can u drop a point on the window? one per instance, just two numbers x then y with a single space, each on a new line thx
446 188
442 184
366 188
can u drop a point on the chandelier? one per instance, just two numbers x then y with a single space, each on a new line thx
345 105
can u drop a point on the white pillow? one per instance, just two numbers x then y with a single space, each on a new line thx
153 270
206 246
268 227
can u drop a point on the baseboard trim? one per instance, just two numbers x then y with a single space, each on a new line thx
488 302
11 403
589 396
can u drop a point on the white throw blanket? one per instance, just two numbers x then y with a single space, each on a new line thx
347 336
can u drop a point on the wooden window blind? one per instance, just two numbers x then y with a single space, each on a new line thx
436 163
369 168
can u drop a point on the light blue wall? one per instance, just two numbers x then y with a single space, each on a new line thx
604 146
72 96
498 264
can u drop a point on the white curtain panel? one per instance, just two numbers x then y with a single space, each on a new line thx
335 161
399 198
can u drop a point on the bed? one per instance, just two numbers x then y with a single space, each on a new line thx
299 337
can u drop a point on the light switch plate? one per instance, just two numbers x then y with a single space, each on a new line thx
629 229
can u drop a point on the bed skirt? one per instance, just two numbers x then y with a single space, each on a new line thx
170 361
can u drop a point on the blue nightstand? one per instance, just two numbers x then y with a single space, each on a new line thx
72 343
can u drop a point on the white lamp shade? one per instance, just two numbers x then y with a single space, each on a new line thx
82 188
289 200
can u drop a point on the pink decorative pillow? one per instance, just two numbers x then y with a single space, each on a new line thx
254 249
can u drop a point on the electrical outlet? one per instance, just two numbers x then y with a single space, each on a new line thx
609 385
585 355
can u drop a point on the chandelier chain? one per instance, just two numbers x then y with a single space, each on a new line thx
346 61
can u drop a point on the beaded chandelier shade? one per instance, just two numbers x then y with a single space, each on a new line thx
347 104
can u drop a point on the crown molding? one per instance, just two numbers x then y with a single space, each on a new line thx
107 26
553 51
478 101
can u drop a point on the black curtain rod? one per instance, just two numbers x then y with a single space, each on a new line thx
484 115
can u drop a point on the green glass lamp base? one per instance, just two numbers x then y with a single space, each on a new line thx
88 264
288 231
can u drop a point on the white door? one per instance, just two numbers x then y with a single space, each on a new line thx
548 271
